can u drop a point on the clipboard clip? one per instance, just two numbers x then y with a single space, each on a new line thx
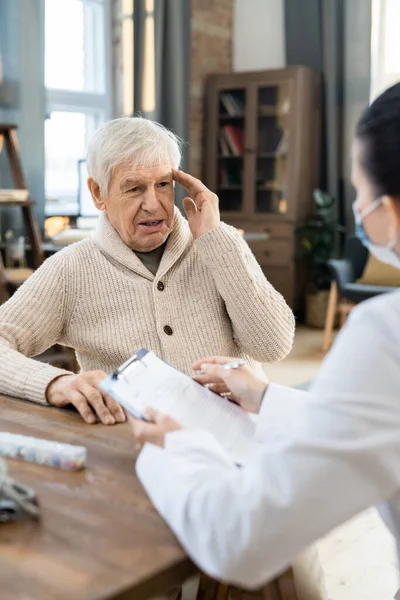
122 373
135 360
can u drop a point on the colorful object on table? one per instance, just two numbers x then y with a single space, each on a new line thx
42 452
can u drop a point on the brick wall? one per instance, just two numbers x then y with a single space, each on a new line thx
211 52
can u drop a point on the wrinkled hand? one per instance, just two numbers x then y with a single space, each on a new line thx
153 433
247 388
82 391
201 207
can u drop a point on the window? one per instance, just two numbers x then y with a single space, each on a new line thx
149 91
147 99
127 57
77 79
385 45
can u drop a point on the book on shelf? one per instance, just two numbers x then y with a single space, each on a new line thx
230 175
285 107
233 175
225 151
234 137
266 110
270 185
270 110
232 103
283 144
282 206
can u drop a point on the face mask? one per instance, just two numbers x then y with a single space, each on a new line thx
386 253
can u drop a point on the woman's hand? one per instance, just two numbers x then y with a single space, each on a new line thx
246 387
154 432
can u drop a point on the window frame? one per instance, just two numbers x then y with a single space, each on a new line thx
98 105
380 80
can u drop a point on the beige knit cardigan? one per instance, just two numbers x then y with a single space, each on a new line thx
98 298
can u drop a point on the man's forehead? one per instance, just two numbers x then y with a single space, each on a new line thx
143 173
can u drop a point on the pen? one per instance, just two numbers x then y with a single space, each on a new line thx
232 365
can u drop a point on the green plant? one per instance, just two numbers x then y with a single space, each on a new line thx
317 240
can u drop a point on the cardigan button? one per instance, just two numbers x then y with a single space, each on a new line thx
160 286
168 330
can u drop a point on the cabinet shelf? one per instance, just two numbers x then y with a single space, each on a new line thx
268 114
229 187
231 117
230 157
262 159
270 187
272 155
272 111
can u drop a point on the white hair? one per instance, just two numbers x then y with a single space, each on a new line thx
135 140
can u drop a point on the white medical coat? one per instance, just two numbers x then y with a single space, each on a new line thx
327 454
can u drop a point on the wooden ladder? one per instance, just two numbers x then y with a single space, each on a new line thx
10 279
15 277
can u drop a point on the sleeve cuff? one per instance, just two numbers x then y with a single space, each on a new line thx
37 381
280 403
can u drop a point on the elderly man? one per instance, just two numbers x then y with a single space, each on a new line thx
148 277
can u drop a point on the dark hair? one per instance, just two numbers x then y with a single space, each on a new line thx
379 132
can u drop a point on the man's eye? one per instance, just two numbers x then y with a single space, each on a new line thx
164 183
134 189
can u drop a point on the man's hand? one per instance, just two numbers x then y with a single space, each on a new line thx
247 388
201 208
153 433
82 391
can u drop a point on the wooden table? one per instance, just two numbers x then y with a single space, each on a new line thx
99 537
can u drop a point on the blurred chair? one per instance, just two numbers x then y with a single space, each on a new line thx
11 279
345 291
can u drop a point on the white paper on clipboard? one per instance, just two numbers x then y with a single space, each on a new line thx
147 381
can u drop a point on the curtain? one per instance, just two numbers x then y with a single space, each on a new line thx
162 66
356 86
334 37
1 66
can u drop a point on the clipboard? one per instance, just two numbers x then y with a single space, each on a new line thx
136 362
132 362
146 380
118 374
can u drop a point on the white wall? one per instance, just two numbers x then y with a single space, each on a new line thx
258 35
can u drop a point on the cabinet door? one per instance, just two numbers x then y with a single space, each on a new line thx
227 156
272 103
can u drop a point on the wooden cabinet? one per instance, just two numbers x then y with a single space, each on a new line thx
262 134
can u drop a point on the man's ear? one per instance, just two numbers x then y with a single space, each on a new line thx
97 196
392 205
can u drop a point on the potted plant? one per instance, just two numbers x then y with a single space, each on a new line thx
317 241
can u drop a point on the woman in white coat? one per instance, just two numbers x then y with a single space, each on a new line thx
328 453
